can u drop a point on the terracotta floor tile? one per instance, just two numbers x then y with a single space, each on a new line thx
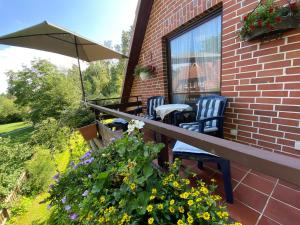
242 213
287 195
266 221
259 183
282 213
239 166
237 174
293 186
250 197
273 179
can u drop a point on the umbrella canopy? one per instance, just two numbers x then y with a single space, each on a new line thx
51 38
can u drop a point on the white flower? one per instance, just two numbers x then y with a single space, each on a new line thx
135 124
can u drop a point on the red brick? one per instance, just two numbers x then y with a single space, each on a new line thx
285 142
295 115
285 122
290 47
250 94
271 132
265 125
292 86
270 86
246 128
293 70
265 119
243 111
295 137
295 94
264 138
268 51
247 117
268 100
269 145
266 73
271 58
265 113
245 75
289 108
295 38
295 130
291 101
262 80
272 43
261 106
246 88
278 64
247 49
294 54
275 93
247 62
296 62
246 55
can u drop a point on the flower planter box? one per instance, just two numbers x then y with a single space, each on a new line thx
88 132
287 23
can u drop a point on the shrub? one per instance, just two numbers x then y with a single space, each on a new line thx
119 185
51 134
39 170
78 117
12 160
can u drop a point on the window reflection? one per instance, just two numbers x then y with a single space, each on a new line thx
196 61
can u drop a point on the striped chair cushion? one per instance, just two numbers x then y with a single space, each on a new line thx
149 117
153 103
195 127
181 147
208 107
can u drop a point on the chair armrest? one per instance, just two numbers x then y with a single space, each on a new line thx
204 120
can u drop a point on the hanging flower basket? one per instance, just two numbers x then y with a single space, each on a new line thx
145 72
269 19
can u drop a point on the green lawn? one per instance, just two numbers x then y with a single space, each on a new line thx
19 132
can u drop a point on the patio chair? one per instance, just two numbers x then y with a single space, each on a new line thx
208 117
152 103
184 151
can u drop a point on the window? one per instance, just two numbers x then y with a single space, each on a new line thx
195 61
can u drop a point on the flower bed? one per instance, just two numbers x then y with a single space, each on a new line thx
120 185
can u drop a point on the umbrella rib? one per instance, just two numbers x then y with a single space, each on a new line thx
30 35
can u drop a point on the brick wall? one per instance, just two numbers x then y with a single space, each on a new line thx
261 80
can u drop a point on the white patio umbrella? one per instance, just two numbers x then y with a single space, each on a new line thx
51 38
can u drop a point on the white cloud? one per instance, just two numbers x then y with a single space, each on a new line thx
13 58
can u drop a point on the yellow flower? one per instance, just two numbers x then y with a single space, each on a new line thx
225 214
204 190
237 223
101 219
132 186
149 208
180 222
219 213
172 202
187 181
154 191
198 199
176 184
152 197
206 216
190 220
213 180
163 197
160 206
199 215
184 195
190 202
102 199
171 209
181 209
125 179
150 220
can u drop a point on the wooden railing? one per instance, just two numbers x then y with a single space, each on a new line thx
270 163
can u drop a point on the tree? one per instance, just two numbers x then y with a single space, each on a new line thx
44 89
9 111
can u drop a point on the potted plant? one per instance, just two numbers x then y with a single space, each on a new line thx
145 72
269 18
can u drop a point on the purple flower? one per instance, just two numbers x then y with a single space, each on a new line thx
73 216
49 206
85 193
88 161
67 208
86 155
72 163
56 176
64 200
51 186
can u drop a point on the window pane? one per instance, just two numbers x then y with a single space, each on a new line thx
196 61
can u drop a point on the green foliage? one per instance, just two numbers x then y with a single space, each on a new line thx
143 69
44 89
50 134
78 117
9 111
119 185
39 170
12 162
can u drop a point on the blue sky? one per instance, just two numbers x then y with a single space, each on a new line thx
98 20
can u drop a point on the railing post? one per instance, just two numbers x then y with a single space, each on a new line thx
163 156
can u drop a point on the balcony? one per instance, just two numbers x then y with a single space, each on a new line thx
266 185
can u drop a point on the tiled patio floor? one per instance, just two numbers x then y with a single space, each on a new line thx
258 199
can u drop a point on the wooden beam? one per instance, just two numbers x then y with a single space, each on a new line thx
274 164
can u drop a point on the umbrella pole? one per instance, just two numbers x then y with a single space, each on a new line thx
80 73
